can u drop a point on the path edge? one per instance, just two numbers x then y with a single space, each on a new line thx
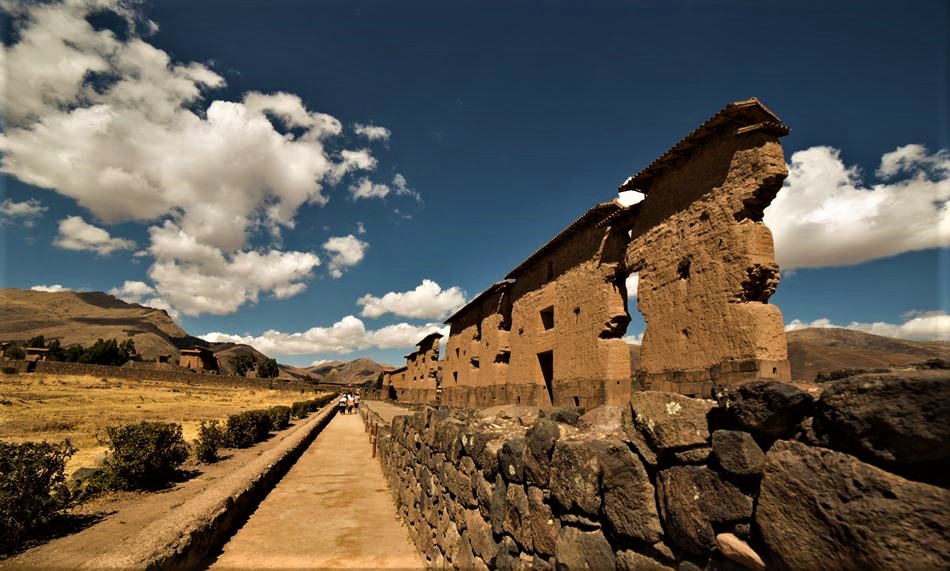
190 536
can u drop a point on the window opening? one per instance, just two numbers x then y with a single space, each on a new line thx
546 364
547 318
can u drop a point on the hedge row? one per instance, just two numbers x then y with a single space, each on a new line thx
142 456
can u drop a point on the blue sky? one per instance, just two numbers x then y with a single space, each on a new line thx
261 168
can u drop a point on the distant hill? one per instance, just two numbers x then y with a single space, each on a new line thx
355 372
826 349
83 317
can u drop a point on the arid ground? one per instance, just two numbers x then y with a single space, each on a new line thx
53 407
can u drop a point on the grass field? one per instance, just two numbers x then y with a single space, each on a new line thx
38 407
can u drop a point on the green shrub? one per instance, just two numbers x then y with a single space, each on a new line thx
32 486
299 409
211 437
145 455
279 417
248 428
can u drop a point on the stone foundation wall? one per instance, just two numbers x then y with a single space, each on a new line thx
178 375
852 474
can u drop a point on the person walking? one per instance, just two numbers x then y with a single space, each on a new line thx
342 404
356 402
350 403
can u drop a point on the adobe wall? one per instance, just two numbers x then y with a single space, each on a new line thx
706 262
478 352
770 477
590 364
553 334
158 374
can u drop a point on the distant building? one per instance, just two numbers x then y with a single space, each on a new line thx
36 354
199 359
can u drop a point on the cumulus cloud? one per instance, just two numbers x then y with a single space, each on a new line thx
630 197
196 278
632 282
427 301
114 123
49 288
77 234
143 294
360 228
826 215
345 251
929 325
343 337
24 212
365 188
372 132
402 188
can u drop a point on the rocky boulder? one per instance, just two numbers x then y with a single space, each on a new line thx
770 408
821 509
897 417
692 499
737 452
667 420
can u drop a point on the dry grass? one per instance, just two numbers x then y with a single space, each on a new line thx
38 407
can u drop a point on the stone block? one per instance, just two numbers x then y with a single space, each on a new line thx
518 517
668 421
737 452
575 476
511 460
539 443
577 549
628 496
821 509
692 499
770 408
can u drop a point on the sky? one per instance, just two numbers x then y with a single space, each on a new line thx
329 180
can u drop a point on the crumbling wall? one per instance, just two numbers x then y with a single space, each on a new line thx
418 383
705 259
568 314
478 351
853 476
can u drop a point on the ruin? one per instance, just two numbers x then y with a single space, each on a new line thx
551 333
198 359
419 380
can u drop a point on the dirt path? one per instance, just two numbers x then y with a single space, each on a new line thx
331 511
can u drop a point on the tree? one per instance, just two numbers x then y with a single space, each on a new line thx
267 369
37 342
14 351
244 363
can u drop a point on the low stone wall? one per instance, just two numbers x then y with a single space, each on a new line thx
851 474
175 375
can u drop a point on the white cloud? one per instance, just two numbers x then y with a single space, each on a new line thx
632 282
372 132
146 143
196 278
402 188
345 251
630 197
637 339
365 188
76 234
143 294
360 228
343 337
827 216
25 211
50 288
427 301
929 325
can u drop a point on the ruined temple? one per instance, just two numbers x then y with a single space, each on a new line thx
198 359
418 381
551 332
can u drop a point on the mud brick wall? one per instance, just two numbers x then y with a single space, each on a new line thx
852 474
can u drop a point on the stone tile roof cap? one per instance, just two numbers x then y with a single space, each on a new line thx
497 286
592 217
749 113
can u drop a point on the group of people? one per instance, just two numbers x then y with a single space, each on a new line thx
349 403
